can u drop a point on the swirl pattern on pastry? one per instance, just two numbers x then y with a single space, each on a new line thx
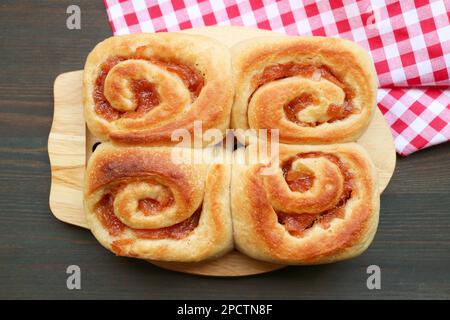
139 88
315 90
139 203
320 206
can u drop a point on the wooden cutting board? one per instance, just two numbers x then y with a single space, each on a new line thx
70 145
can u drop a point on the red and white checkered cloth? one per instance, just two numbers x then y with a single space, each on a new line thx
409 43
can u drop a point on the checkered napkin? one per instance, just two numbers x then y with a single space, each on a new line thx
409 43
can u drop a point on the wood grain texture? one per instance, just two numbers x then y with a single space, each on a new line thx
412 245
69 148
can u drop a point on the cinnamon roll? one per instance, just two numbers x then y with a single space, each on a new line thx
139 88
320 205
315 90
140 203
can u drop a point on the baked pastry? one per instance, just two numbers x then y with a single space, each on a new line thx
140 203
138 89
315 90
320 205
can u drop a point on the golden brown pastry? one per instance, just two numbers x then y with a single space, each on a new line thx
140 203
139 88
315 90
321 205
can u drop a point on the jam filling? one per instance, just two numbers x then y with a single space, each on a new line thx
177 231
296 224
105 213
147 98
296 105
298 180
290 69
144 92
102 106
151 206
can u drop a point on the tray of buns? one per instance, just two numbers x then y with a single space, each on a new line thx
112 148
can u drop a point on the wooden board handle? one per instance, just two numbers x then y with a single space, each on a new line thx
70 145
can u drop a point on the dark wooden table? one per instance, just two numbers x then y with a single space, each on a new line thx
412 246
